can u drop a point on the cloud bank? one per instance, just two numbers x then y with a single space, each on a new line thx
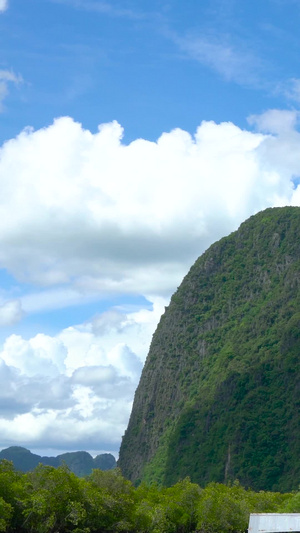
86 208
87 214
74 391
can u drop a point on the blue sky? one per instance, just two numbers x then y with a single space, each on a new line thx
133 135
151 66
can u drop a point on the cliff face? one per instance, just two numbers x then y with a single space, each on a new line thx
219 395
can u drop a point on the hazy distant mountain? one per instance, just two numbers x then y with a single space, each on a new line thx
81 463
219 395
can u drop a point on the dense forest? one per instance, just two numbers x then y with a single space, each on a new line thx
51 500
219 396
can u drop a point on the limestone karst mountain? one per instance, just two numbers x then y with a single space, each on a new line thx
81 463
218 399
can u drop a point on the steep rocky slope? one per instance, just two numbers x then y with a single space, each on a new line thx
219 394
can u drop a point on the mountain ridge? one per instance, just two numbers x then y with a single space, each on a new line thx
80 463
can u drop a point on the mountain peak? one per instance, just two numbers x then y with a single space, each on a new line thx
218 398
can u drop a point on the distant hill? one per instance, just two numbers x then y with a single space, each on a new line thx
219 395
81 463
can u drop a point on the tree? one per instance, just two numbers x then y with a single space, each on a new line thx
12 491
6 512
117 499
223 509
54 501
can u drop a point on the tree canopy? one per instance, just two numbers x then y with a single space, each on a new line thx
50 500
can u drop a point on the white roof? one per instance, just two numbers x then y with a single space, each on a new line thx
274 522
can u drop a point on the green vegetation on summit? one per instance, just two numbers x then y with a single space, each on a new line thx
218 399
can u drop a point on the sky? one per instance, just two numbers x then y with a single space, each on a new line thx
133 135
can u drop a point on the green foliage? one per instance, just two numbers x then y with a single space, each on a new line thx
223 509
6 512
117 499
53 501
50 500
13 487
291 504
227 508
167 510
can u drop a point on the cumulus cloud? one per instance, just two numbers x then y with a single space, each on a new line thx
276 121
74 390
279 153
86 209
6 77
3 5
41 355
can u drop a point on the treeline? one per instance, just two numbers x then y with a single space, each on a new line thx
52 500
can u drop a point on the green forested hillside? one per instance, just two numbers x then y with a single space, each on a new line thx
218 399
81 463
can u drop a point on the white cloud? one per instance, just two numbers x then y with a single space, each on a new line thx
279 154
74 390
276 121
85 209
232 63
102 8
3 5
40 355
6 77
10 312
55 298
291 89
